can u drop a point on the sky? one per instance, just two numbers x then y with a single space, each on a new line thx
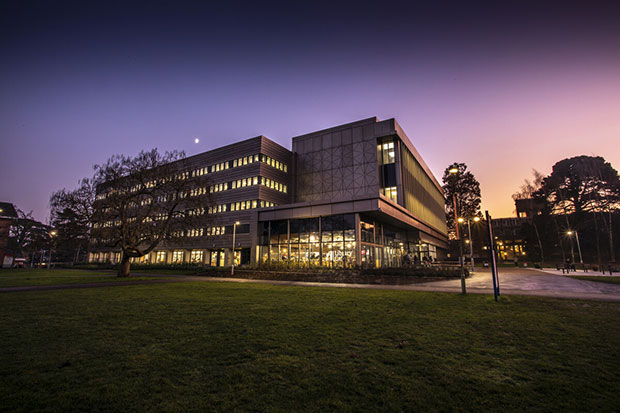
505 87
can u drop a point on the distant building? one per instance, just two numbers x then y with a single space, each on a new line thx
509 241
529 207
7 215
358 193
508 232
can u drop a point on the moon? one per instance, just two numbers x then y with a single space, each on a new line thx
196 140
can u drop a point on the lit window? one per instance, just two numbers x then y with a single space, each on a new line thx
388 153
177 257
391 193
196 256
160 257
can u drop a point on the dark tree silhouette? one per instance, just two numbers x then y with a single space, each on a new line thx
463 187
72 216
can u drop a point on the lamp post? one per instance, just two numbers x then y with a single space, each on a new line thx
49 261
471 242
578 245
455 171
232 267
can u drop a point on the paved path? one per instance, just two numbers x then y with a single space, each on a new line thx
524 281
513 281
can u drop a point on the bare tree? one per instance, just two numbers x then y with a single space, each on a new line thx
144 200
28 235
72 215
529 188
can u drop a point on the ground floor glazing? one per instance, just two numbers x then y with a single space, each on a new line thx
337 241
343 241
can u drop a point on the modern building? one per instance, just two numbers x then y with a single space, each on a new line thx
354 194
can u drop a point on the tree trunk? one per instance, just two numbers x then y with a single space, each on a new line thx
557 228
123 267
77 254
598 242
542 254
612 252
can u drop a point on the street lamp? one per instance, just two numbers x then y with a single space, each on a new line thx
578 245
232 268
455 171
52 235
470 241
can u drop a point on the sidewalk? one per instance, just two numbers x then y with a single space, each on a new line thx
589 273
537 283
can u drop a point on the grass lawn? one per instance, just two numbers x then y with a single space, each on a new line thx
171 271
207 346
27 277
600 279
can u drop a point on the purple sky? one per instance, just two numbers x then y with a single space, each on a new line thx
503 89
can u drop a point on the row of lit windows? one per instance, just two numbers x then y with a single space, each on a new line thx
178 256
245 160
199 232
221 166
214 209
239 206
239 183
270 183
242 183
161 257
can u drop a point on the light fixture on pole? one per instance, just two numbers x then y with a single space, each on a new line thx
52 235
578 245
471 242
232 267
454 171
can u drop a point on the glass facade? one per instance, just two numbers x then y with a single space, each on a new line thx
386 156
331 241
327 241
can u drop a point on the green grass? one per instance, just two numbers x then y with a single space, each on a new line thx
162 271
31 277
207 346
600 279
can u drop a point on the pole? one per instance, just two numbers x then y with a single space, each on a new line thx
572 251
492 256
612 253
579 248
458 237
463 286
232 257
456 222
471 246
